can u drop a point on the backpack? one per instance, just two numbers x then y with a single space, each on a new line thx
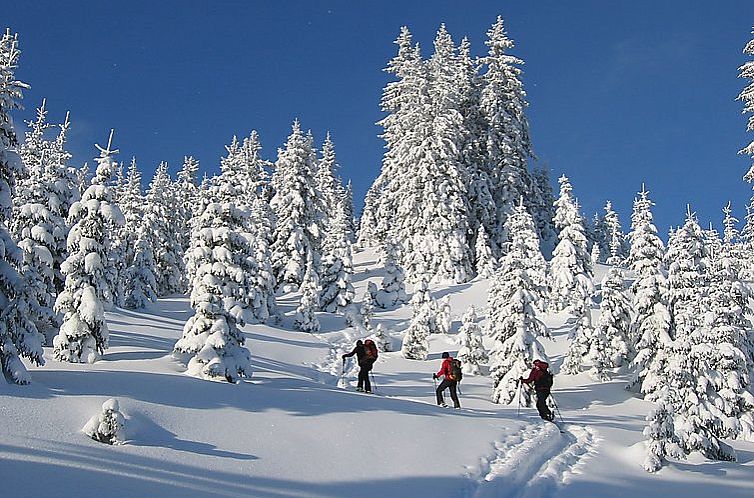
370 348
544 383
456 373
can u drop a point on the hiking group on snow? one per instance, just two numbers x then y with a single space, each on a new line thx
453 202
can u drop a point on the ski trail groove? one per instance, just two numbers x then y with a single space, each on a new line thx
534 462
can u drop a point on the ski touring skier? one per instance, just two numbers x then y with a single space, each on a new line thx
542 379
366 355
452 374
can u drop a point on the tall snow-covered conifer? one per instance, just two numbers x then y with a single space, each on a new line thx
161 204
83 336
19 336
393 291
650 327
212 343
609 346
294 204
511 306
570 269
471 352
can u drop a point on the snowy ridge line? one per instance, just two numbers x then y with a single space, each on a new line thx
533 463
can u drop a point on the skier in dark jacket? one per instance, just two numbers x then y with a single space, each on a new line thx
447 383
365 365
542 380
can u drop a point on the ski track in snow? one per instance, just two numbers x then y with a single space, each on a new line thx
535 462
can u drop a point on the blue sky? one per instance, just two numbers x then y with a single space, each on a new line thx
621 92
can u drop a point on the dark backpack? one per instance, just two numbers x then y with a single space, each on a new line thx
370 348
456 373
544 383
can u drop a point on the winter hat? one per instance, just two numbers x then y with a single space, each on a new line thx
446 355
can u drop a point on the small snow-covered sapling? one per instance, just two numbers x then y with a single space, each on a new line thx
107 426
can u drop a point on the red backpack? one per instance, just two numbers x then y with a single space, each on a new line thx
371 350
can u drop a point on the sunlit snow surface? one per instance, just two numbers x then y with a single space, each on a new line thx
291 432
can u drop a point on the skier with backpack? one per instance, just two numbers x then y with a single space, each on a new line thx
542 379
366 355
452 373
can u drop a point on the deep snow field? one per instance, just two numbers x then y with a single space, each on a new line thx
289 431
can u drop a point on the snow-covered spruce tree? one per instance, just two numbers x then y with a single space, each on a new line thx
594 254
337 265
161 205
677 376
507 140
662 441
244 170
616 240
421 297
294 204
485 260
687 283
513 324
62 194
443 318
141 283
545 213
400 101
330 194
366 309
382 339
747 97
722 346
349 210
187 202
732 246
650 326
597 242
570 268
212 343
265 283
609 346
34 226
416 337
18 334
37 278
83 179
393 291
422 201
131 204
368 219
536 266
482 209
47 183
306 320
83 336
471 352
433 217
108 426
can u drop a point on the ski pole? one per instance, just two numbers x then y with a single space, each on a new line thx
374 384
557 409
518 408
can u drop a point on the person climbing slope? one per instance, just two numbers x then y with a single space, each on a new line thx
451 373
542 379
366 355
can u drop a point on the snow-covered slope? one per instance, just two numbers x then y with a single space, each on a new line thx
291 432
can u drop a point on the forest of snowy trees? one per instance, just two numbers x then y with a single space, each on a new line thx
457 199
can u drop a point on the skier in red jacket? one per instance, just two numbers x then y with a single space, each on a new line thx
447 383
542 380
